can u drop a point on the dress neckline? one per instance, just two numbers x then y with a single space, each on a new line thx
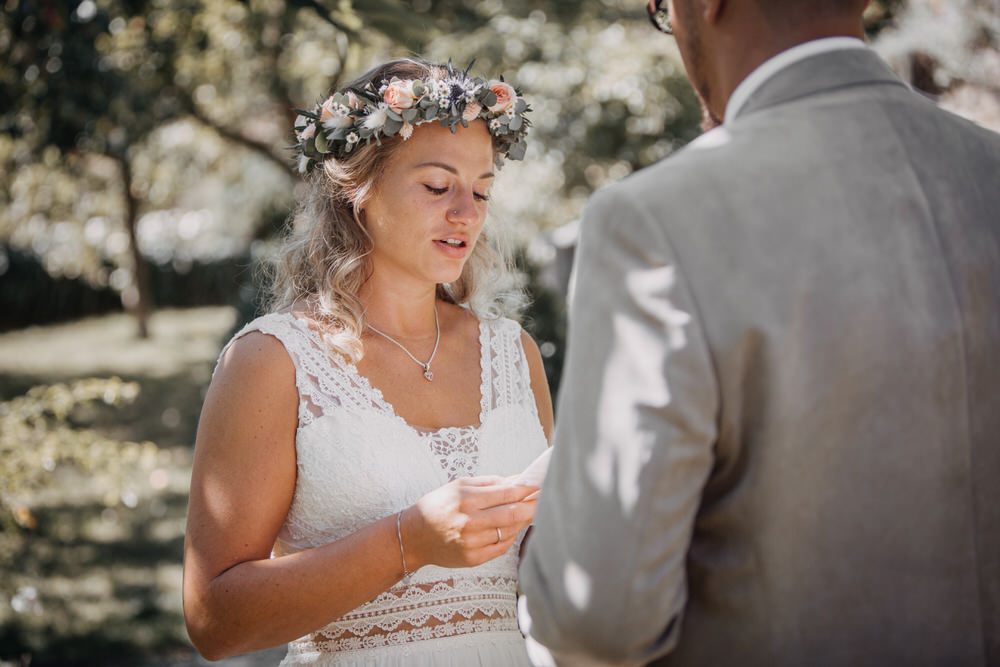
375 394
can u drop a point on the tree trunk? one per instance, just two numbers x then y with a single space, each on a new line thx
140 301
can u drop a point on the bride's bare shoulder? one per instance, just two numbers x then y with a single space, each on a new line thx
256 361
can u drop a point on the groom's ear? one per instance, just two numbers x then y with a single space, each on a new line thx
712 10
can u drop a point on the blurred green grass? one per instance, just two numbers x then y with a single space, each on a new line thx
97 578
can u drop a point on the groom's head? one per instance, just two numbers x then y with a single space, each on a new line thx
722 41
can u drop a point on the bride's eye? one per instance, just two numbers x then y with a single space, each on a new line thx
436 191
481 197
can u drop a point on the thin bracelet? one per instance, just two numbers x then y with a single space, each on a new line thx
402 556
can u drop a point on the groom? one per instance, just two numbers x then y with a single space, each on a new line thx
779 428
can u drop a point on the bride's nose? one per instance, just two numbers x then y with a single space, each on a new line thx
463 209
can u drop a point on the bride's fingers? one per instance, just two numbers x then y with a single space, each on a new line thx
486 496
482 480
491 551
505 515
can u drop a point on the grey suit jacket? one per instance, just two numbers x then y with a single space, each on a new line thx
778 436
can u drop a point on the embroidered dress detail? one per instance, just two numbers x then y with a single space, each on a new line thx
358 461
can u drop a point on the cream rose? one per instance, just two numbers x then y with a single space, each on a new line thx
326 112
399 95
506 96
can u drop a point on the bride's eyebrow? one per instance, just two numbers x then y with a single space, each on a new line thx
449 168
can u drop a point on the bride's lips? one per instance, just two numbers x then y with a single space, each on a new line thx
456 250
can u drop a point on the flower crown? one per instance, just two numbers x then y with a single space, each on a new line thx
345 120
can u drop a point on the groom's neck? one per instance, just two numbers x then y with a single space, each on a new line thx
742 38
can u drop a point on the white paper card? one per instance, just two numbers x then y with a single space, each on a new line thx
534 474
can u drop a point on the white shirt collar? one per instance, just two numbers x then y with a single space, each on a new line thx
779 62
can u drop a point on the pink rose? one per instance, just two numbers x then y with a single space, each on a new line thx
506 95
308 132
471 112
353 101
399 95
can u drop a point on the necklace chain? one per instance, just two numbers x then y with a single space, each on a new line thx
426 366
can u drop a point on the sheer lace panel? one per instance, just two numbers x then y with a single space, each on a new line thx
457 449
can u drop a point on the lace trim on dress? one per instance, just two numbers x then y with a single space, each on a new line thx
420 605
313 646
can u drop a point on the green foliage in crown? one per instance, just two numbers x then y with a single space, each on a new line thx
344 120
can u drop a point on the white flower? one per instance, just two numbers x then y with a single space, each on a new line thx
303 163
510 112
376 117
441 90
352 138
406 131
495 126
335 115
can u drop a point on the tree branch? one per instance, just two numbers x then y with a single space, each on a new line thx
257 147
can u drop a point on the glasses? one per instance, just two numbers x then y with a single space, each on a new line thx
659 16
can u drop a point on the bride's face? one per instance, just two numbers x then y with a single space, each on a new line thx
430 203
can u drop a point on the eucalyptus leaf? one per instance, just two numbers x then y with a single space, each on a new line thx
489 99
409 115
321 143
515 123
392 126
431 112
521 105
393 115
419 88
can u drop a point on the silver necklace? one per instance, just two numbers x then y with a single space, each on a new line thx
428 375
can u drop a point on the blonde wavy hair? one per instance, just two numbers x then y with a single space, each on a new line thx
324 258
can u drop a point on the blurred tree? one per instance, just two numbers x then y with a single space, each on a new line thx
38 434
85 79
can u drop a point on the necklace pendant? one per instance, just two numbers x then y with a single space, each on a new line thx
428 375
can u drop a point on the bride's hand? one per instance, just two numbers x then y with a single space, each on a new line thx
456 525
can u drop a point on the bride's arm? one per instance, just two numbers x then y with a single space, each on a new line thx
237 598
539 384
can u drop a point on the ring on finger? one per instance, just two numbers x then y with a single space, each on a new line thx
499 536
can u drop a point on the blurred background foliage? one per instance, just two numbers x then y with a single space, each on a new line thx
143 166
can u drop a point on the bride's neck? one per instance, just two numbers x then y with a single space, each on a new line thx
399 309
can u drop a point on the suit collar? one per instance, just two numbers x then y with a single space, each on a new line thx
775 64
819 73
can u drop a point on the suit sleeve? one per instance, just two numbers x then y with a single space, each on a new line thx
604 572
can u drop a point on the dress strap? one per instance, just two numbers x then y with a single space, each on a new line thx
506 376
323 379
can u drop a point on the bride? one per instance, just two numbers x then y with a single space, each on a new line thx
352 490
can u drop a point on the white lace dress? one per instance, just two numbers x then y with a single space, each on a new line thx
358 461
